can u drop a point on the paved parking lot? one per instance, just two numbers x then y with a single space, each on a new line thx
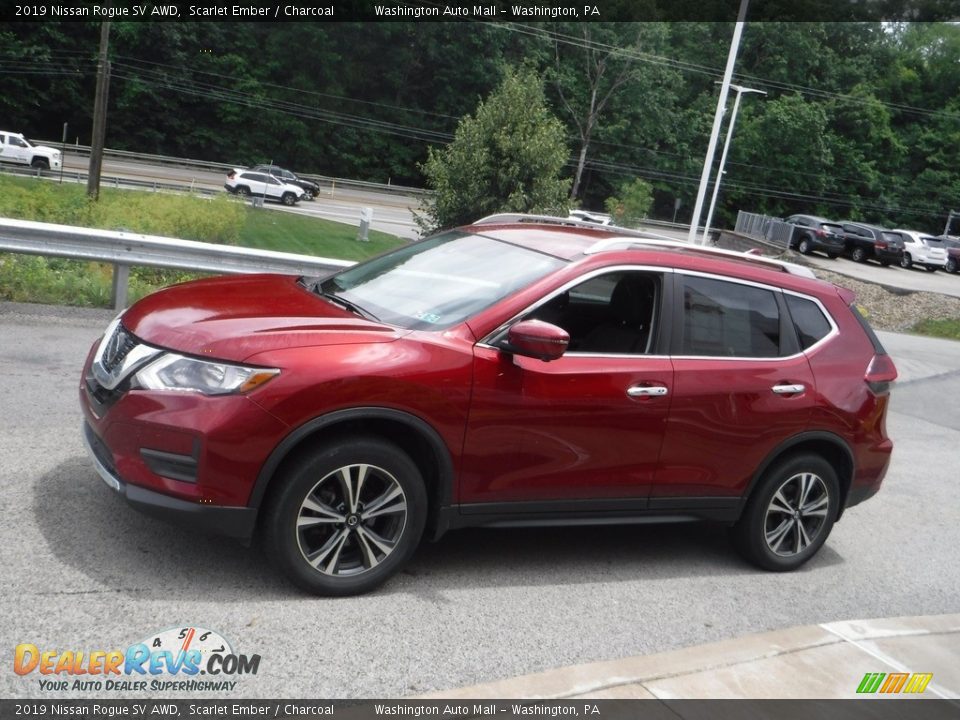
84 571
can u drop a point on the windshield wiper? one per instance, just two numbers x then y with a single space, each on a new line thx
344 303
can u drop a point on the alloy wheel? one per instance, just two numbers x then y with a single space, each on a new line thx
796 514
351 520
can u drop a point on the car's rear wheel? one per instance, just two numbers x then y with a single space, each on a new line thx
858 255
906 262
289 199
805 248
832 256
951 266
790 514
243 191
931 268
884 263
346 516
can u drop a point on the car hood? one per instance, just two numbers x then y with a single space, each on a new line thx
234 318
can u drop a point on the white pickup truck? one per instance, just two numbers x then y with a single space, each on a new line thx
15 148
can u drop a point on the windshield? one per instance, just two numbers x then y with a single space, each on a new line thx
439 282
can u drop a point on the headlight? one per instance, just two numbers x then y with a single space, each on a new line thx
176 372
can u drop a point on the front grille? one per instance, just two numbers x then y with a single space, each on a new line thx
100 397
117 347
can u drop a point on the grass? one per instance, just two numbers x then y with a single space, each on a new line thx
949 328
220 220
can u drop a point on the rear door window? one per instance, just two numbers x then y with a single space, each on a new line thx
729 319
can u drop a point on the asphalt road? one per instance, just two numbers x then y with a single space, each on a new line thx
392 212
84 571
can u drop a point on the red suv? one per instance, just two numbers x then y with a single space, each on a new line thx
519 371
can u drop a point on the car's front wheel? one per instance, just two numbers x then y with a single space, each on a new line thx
39 163
790 514
858 255
346 516
289 199
906 262
951 266
805 247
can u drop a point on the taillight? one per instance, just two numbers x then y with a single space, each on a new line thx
880 373
821 233
880 245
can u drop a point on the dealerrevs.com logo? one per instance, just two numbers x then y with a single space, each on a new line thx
178 659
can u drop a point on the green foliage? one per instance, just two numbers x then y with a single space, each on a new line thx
220 220
633 203
944 328
507 157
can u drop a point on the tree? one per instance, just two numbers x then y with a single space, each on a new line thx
507 157
632 204
606 60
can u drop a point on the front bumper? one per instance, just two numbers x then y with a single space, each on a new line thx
235 522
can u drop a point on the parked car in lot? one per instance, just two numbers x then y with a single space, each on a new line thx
816 234
15 148
920 249
248 182
952 247
309 188
868 242
519 371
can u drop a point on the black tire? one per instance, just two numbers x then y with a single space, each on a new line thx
805 247
342 552
884 263
906 262
832 256
308 195
858 254
39 163
772 533
289 199
243 191
931 268
951 266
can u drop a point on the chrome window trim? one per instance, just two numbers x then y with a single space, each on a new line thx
834 328
487 340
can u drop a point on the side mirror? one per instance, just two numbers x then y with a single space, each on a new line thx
537 339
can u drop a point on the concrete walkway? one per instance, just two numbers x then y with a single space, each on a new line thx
826 661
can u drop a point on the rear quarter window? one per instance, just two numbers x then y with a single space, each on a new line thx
808 320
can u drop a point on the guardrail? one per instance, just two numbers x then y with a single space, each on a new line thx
124 250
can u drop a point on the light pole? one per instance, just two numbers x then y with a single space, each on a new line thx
717 120
740 90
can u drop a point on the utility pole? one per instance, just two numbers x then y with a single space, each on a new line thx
99 114
946 229
717 121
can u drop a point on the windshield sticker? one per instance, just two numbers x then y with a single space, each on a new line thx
427 317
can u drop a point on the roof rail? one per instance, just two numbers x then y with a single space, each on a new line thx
514 218
640 238
622 244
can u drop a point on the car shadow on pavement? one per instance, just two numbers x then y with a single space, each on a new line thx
557 556
91 529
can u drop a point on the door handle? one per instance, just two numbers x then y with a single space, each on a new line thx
789 389
647 391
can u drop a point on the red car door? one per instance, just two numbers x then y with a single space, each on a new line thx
741 387
582 430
